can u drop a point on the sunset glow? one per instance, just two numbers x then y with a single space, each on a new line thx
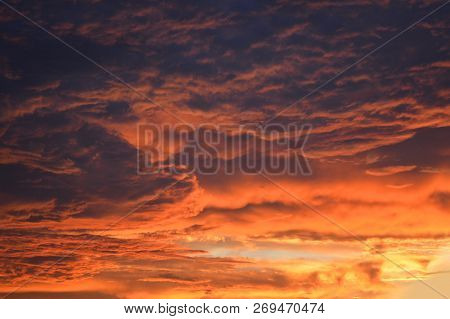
79 220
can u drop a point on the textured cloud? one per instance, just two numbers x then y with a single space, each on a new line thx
378 149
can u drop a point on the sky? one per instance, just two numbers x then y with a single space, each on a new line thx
372 220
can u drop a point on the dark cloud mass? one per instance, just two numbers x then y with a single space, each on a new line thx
378 149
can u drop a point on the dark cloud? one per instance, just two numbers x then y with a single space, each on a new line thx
425 149
81 167
61 295
441 199
240 213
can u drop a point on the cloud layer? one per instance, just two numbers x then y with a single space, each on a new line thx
378 150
